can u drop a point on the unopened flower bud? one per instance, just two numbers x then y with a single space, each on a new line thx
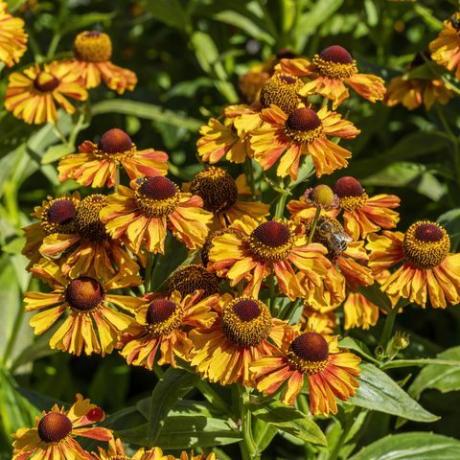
322 195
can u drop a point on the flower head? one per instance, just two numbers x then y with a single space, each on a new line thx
35 94
303 132
13 39
282 90
144 212
96 165
190 278
56 431
427 271
330 372
93 316
162 324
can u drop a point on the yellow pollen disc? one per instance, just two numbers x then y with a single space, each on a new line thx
271 241
88 223
426 244
93 46
157 196
350 203
246 321
188 279
281 90
337 70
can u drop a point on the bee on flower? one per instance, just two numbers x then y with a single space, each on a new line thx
92 62
160 334
331 73
313 358
426 270
13 39
445 48
94 317
253 250
56 432
96 165
144 212
304 132
189 278
35 94
225 197
243 332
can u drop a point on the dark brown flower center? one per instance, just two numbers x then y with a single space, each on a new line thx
217 189
84 293
96 414
160 310
46 82
310 346
188 279
348 186
157 188
115 141
303 120
61 212
246 309
428 233
272 234
337 54
87 219
54 427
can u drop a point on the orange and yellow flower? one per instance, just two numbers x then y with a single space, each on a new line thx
94 317
189 278
92 62
96 165
143 214
309 357
362 214
35 94
55 432
303 132
225 197
85 247
319 322
445 48
426 271
305 208
331 72
252 250
413 92
13 39
160 334
359 311
116 450
243 332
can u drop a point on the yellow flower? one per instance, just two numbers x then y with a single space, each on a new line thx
160 333
426 272
96 165
330 372
331 72
13 39
93 51
93 316
222 195
359 311
35 94
445 48
323 323
243 332
413 92
252 250
189 278
303 132
85 247
143 214
55 432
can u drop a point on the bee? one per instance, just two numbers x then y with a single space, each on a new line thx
455 21
331 234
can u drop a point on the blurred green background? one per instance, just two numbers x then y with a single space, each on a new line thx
188 56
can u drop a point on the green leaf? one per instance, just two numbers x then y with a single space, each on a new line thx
376 296
377 391
407 446
357 346
85 20
289 420
420 362
170 12
147 111
173 386
443 378
55 152
451 220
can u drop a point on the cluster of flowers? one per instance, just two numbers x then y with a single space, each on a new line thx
228 313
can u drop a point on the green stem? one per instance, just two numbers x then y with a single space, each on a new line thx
314 224
281 204
53 45
249 448
388 326
250 177
350 418
148 272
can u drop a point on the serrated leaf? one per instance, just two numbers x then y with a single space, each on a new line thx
289 420
411 446
377 391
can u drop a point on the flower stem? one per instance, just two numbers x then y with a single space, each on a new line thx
249 448
313 225
388 326
249 169
281 204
